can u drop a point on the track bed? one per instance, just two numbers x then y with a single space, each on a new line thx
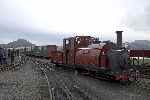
68 85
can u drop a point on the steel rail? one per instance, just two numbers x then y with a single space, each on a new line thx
52 97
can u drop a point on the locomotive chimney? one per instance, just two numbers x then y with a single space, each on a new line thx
119 39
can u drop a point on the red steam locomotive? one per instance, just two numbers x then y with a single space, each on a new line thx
87 54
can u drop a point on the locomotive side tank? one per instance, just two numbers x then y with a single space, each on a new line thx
87 56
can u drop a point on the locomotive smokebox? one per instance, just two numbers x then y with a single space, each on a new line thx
119 39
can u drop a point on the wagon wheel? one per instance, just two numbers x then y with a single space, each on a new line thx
133 75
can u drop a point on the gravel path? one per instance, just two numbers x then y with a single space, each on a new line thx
28 83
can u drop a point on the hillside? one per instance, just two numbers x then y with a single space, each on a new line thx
17 43
140 44
137 44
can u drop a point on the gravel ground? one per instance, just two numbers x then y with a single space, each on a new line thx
67 85
27 83
86 88
114 91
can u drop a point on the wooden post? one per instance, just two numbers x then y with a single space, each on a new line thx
138 60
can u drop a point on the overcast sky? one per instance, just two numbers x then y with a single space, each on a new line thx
49 21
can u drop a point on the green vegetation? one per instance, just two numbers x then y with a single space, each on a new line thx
146 61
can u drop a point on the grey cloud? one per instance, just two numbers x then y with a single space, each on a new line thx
13 18
15 22
138 14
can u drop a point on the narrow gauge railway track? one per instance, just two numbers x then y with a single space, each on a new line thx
79 91
25 83
64 85
71 87
145 72
35 63
144 77
58 89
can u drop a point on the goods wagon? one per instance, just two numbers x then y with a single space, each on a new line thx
42 51
56 57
